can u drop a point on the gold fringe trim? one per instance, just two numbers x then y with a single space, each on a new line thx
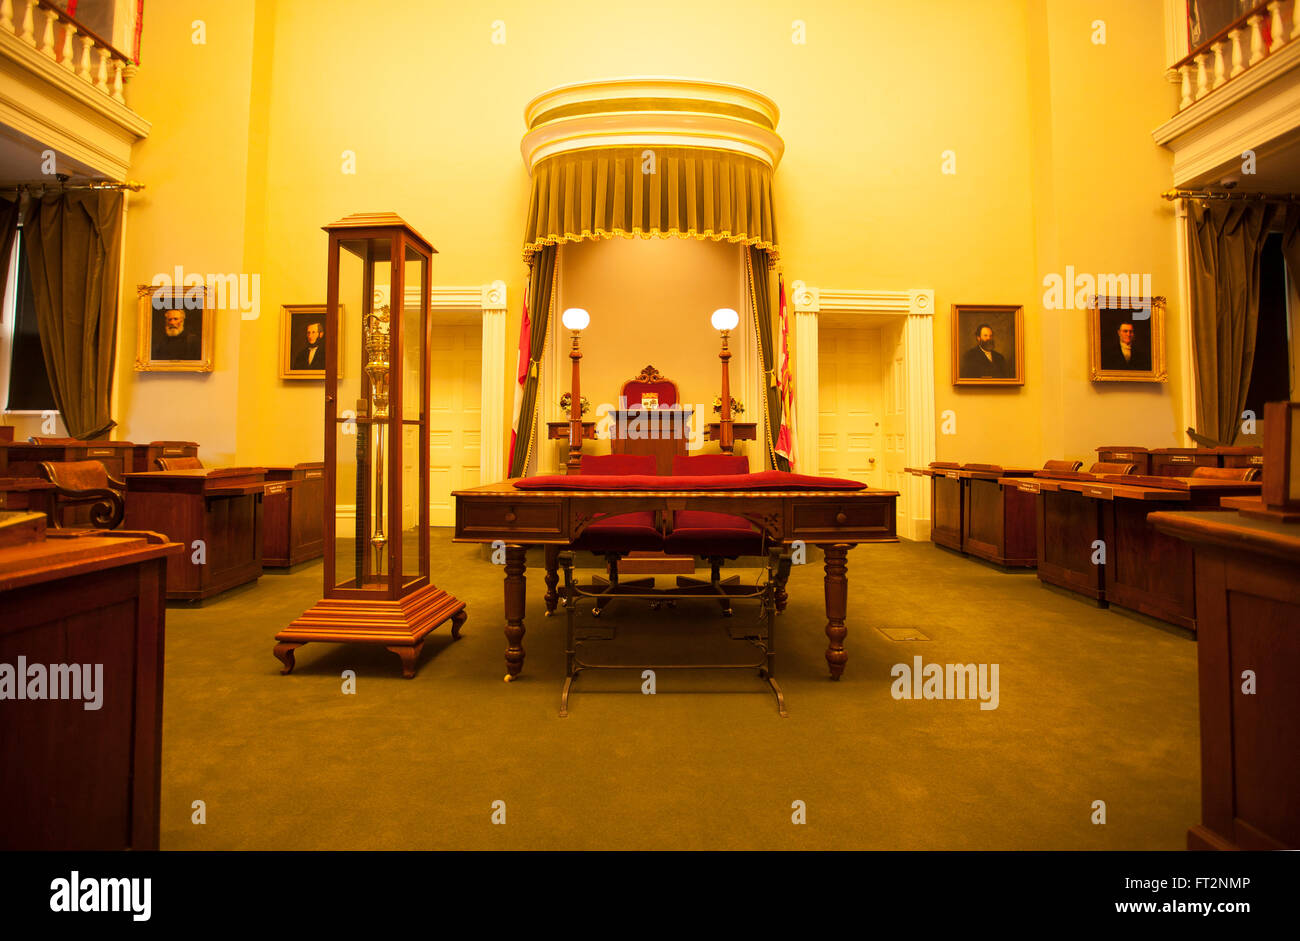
773 252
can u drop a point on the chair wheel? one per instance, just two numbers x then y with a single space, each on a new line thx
595 612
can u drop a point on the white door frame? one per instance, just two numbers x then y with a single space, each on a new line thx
489 302
916 309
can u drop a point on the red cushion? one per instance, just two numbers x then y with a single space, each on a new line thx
699 532
623 532
763 480
709 465
608 465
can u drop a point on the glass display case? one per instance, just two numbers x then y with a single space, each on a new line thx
377 335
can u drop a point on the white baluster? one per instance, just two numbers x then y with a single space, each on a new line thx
101 76
1186 73
1202 76
65 54
84 69
7 15
1238 60
1220 64
1295 19
29 24
47 36
117 82
1275 27
1256 38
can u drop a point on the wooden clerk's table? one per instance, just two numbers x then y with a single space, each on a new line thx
1248 607
832 519
1144 569
222 506
293 514
75 778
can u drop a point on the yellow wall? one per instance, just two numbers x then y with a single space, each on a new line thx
1051 133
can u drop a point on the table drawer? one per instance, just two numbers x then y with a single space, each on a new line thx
504 518
842 520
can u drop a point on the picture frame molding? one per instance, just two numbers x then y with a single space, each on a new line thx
1159 371
957 344
144 361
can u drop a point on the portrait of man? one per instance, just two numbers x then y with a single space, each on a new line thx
176 334
983 361
987 344
1127 347
311 355
302 341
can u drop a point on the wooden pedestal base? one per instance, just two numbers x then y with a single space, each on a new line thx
400 626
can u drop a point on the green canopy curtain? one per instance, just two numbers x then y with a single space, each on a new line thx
682 192
9 211
1225 242
73 243
541 277
761 290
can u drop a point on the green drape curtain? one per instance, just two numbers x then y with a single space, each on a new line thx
540 279
1225 241
761 291
9 209
72 244
628 191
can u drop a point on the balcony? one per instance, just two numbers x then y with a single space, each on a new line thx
1238 113
64 87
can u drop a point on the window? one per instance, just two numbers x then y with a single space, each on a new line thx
1270 377
26 384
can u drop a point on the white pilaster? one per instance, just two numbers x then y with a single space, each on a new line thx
805 303
492 401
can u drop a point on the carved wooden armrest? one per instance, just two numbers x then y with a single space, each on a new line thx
108 510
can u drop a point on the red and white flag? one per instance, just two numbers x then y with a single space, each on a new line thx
521 371
786 444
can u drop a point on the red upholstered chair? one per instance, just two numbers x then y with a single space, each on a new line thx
712 536
616 536
649 380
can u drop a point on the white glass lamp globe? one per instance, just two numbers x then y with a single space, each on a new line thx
724 318
575 318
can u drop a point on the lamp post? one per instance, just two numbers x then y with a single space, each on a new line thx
724 320
576 320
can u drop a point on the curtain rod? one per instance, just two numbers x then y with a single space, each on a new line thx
63 182
1245 197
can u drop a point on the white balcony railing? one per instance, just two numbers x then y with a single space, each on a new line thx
57 36
1237 47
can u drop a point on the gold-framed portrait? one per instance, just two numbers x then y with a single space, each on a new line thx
1126 339
302 341
988 345
175 329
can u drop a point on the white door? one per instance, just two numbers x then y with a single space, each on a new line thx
454 416
850 404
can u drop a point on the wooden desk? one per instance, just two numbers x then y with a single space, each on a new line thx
1140 458
1248 604
221 506
1143 569
834 520
999 524
293 514
1180 462
27 493
144 456
947 510
75 778
661 432
23 459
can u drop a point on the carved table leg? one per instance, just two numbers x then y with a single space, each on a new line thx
837 599
408 655
284 653
457 622
552 578
515 601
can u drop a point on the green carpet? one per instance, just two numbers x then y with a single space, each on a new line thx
1094 705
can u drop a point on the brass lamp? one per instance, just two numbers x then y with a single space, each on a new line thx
724 320
576 320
